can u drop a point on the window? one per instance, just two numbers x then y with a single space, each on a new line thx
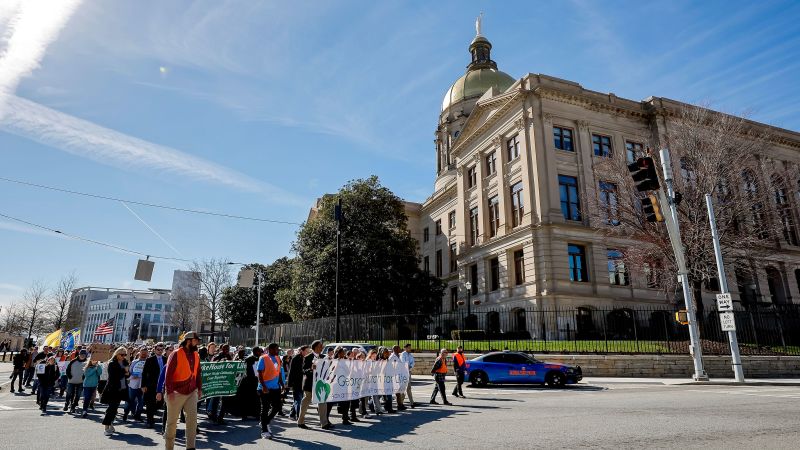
157 318
519 267
494 271
473 278
687 172
148 306
425 235
633 151
139 306
617 273
494 216
608 202
439 263
651 270
491 163
438 224
570 204
563 139
472 177
451 219
512 148
602 145
426 264
122 305
453 259
517 207
473 226
453 298
577 263
784 211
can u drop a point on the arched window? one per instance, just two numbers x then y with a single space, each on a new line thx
775 282
584 323
519 319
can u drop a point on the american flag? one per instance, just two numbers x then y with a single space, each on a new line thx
105 328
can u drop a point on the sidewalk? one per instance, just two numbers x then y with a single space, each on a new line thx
685 381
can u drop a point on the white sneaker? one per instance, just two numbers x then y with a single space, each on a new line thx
109 431
266 435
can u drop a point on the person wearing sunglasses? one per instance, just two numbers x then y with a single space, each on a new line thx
152 369
116 389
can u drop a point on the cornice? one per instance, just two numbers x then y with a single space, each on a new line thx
439 197
468 135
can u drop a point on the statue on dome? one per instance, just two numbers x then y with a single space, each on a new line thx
478 24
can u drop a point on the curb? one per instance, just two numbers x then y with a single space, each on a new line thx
735 384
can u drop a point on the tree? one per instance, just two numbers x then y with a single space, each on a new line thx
183 310
711 153
379 266
240 302
58 306
214 276
35 304
13 319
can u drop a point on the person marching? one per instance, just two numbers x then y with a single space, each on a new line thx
117 388
183 387
47 374
150 372
75 381
308 380
439 371
407 358
459 366
270 384
91 377
18 372
294 379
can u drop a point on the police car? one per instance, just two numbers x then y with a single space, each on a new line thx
515 367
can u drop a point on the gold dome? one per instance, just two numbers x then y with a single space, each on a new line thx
475 83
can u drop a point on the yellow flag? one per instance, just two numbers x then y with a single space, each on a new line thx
180 338
53 339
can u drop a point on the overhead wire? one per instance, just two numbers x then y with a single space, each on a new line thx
151 205
92 241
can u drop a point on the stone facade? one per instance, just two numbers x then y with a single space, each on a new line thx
498 197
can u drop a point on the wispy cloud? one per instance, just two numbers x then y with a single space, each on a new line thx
88 140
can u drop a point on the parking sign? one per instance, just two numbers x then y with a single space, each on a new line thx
727 321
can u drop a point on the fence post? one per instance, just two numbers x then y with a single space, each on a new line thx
753 326
635 332
779 320
605 334
666 332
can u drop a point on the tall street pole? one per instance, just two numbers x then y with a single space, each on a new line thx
338 217
673 227
258 306
736 359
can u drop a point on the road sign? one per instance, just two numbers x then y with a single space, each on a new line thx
727 321
724 302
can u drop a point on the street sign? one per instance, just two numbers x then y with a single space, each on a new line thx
727 321
724 302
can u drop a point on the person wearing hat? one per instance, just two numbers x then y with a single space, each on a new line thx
183 388
75 381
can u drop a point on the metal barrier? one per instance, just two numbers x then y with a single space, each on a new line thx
765 331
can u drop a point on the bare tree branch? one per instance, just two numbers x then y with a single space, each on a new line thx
214 276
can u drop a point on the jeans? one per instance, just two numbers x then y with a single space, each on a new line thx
17 375
270 405
62 385
29 376
135 402
73 395
297 396
44 396
212 406
175 403
88 396
35 384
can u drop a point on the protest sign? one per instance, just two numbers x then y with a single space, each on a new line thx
344 379
220 379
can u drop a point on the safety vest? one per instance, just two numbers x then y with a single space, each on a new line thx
271 369
443 367
459 359
182 371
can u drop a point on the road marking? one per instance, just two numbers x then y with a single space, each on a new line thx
771 393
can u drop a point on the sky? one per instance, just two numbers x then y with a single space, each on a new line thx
258 108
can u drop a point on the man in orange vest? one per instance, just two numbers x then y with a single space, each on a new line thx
183 388
270 385
459 366
439 371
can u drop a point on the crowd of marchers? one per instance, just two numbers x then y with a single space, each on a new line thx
142 382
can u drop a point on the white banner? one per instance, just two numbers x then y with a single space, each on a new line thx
341 380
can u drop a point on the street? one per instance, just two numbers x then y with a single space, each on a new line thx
603 414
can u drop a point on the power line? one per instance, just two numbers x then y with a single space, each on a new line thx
151 205
92 241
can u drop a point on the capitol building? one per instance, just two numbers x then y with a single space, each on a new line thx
514 162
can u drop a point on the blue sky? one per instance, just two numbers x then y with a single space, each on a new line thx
257 108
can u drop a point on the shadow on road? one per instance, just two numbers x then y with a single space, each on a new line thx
537 387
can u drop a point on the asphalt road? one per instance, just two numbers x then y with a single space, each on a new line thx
610 415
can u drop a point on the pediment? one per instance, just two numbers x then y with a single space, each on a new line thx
490 105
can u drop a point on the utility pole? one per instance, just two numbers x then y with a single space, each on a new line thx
674 230
736 359
338 217
258 306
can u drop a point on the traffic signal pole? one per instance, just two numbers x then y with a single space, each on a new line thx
673 227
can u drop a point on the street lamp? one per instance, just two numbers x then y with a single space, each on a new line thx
246 280
468 285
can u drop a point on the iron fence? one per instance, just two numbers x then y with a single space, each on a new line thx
766 331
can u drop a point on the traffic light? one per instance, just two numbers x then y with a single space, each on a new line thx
651 209
644 174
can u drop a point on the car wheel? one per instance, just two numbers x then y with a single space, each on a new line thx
479 379
556 379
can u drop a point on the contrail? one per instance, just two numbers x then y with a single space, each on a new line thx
153 230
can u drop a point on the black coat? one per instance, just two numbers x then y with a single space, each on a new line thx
150 374
49 377
308 372
114 391
295 377
247 400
